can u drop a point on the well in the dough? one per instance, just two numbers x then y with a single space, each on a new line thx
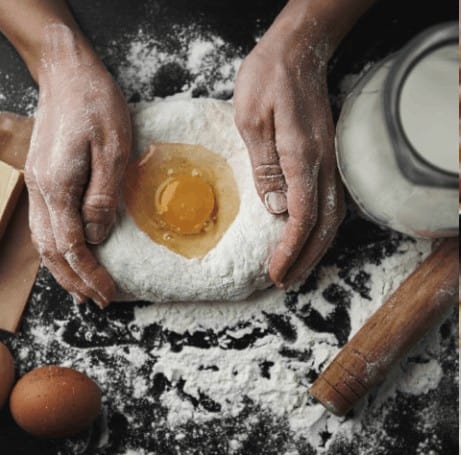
182 196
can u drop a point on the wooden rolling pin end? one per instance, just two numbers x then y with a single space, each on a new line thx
338 388
418 305
330 397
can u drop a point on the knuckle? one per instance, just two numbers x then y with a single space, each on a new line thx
97 136
37 244
57 199
72 252
319 132
30 174
281 70
268 171
100 202
303 222
63 249
265 185
46 250
30 181
248 124
44 181
269 178
306 218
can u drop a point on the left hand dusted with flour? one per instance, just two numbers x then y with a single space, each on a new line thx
78 153
79 148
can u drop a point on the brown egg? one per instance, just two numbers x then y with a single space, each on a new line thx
6 374
55 402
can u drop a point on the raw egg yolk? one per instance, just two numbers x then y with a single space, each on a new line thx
183 196
185 203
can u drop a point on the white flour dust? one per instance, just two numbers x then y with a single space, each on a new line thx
203 64
260 372
28 98
239 374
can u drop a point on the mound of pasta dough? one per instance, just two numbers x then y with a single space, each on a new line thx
238 264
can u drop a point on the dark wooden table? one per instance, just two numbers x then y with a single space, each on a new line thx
408 422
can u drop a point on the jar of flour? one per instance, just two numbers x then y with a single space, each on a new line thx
397 137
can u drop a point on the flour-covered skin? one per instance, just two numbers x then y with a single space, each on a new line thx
284 116
238 264
78 152
79 147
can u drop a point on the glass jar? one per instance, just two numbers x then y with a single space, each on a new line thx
397 137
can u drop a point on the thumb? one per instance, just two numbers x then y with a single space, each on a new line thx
269 179
101 197
98 215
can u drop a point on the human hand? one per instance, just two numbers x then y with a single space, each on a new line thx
78 152
284 117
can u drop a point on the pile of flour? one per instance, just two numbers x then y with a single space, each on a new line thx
238 264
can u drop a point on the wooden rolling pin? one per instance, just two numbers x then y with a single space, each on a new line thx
420 302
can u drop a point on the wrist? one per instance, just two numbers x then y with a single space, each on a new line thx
61 47
316 27
296 35
295 46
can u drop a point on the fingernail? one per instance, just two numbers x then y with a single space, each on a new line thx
95 233
78 299
276 202
102 304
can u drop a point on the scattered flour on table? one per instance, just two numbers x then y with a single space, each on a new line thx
238 373
203 64
229 377
26 102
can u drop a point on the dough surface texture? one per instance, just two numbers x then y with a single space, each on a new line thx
237 266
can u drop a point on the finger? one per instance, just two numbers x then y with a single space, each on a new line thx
71 245
332 210
62 188
331 206
108 163
300 159
258 135
42 236
302 212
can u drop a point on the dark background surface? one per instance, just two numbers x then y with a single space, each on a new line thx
386 28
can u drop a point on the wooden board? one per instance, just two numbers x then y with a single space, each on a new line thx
18 259
11 186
